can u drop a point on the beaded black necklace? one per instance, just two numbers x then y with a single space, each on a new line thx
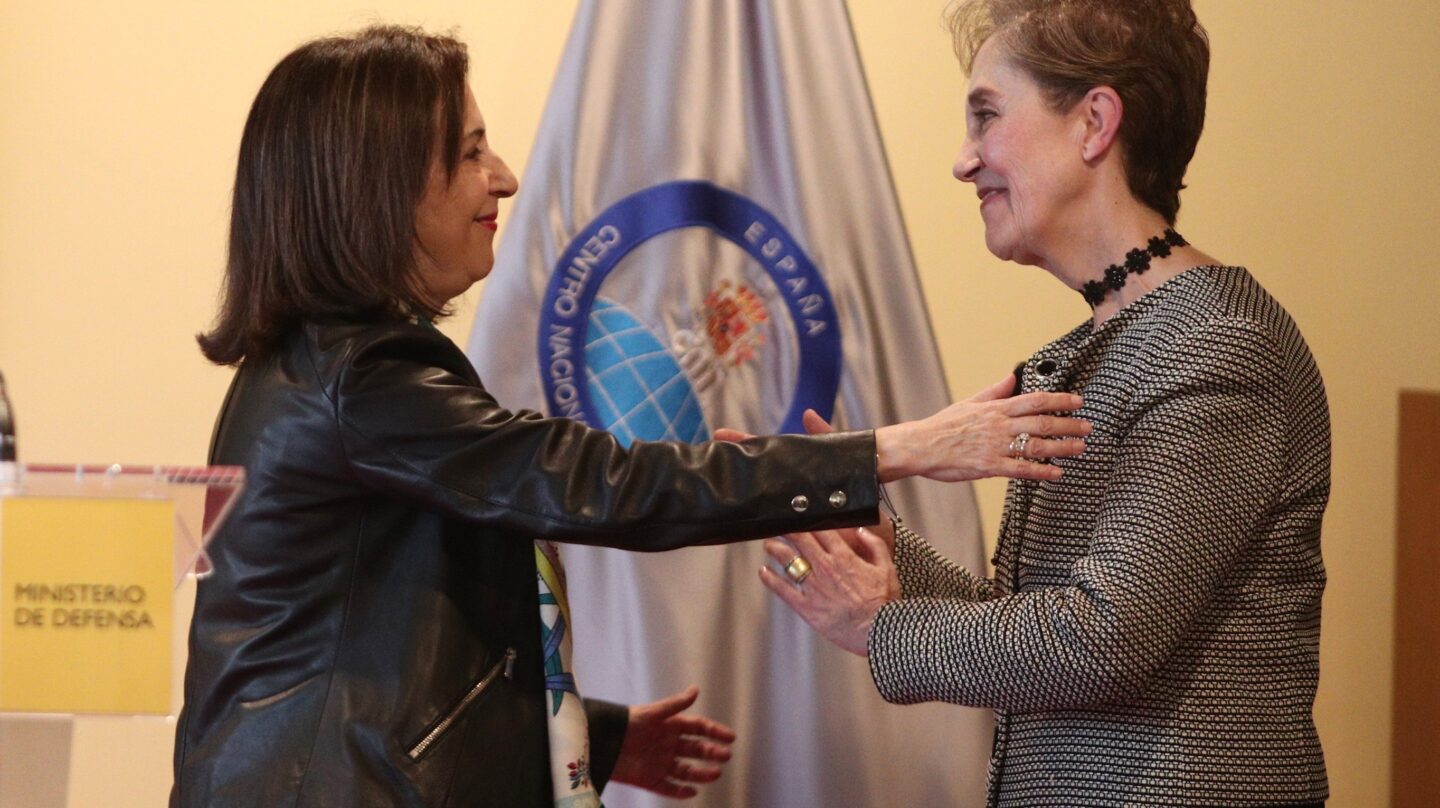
1136 262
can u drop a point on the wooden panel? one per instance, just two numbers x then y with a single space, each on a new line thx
1415 764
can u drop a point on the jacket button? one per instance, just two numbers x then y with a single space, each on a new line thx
838 499
800 503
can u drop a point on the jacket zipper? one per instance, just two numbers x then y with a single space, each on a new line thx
505 666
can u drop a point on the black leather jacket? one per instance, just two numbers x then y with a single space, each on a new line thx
370 634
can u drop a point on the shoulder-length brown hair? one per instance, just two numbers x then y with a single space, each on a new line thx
1154 53
333 162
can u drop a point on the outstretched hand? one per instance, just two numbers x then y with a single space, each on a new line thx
977 438
667 750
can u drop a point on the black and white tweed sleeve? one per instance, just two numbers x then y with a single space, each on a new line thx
1198 465
924 573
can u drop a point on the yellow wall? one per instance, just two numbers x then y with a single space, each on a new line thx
119 125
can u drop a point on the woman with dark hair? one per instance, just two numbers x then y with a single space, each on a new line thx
386 621
1151 635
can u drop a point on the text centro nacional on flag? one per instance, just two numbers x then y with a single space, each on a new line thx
569 308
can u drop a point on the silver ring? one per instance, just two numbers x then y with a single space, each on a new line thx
798 569
1018 444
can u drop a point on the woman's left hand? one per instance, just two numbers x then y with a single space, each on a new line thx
665 749
852 574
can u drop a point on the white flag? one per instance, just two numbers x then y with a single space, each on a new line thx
708 236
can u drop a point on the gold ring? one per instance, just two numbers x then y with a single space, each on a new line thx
798 569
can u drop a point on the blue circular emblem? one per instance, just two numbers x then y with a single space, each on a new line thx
570 298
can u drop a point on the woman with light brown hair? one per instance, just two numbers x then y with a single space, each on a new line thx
1151 633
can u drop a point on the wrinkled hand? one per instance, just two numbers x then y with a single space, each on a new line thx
971 439
845 588
665 749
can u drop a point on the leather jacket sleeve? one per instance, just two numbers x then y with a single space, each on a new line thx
416 422
608 722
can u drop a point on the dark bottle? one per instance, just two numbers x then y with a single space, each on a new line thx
7 427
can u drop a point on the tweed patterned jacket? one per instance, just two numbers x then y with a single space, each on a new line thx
1151 636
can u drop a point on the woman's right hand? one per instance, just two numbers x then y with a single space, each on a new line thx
971 439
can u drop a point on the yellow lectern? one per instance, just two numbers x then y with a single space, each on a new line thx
91 560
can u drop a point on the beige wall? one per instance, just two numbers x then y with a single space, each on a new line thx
119 125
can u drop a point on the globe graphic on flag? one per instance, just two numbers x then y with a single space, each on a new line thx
639 390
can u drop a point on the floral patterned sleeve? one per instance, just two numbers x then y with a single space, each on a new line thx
924 573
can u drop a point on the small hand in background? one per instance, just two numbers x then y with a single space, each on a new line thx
667 750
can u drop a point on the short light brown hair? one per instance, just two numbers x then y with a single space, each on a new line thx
333 161
1153 53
